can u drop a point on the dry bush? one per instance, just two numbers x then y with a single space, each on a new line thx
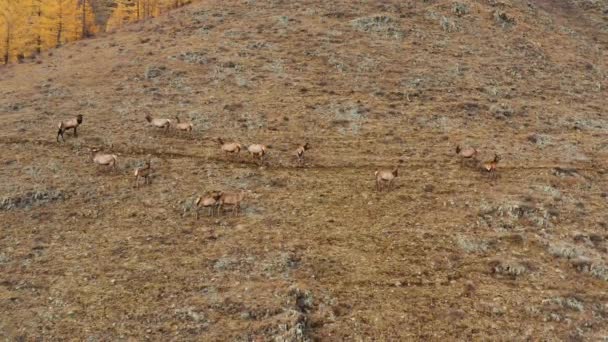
379 24
503 19
571 303
598 269
31 199
509 214
563 250
473 245
448 24
460 9
509 268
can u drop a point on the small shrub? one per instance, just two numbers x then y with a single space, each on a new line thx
562 250
448 24
460 9
153 71
193 57
379 24
31 199
503 19
567 302
600 271
472 246
597 269
502 111
508 268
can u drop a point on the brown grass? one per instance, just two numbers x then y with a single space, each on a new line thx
317 253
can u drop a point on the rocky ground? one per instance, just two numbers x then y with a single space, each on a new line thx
317 253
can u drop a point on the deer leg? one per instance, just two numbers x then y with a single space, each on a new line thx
75 131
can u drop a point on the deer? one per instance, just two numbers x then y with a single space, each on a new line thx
68 124
159 123
183 126
103 158
210 201
467 153
386 177
300 153
233 199
490 166
143 172
229 148
257 151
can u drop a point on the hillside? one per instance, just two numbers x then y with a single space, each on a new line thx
317 253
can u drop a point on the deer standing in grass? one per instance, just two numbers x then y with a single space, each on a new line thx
385 178
229 148
490 166
211 202
468 153
69 124
159 123
183 126
300 153
143 172
110 160
233 199
257 152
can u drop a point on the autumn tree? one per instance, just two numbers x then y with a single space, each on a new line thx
14 31
64 21
87 19
28 27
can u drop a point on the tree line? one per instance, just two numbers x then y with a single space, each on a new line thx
28 27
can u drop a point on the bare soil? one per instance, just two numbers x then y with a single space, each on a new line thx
317 253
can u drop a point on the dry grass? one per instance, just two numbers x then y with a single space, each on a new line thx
317 253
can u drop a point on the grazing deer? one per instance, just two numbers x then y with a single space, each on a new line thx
143 172
386 177
229 148
211 202
257 152
467 153
159 123
233 199
98 158
183 126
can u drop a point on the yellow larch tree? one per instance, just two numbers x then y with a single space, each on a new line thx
87 19
28 27
126 11
60 22
15 42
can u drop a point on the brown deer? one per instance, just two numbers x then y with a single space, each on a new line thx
386 177
143 172
68 124
300 153
490 166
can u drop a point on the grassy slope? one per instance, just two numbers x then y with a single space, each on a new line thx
447 254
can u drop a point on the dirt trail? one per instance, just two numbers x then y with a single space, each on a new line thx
317 253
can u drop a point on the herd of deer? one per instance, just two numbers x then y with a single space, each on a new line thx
216 201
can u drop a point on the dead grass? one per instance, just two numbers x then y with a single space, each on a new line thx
317 253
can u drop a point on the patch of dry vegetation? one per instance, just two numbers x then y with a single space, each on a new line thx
316 253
